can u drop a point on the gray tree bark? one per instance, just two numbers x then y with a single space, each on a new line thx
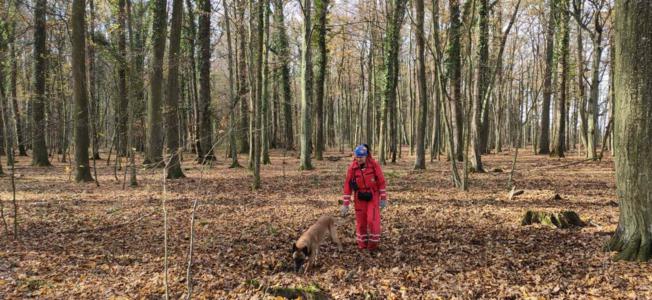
306 87
544 137
321 15
420 160
559 141
204 40
172 97
454 74
40 151
154 153
481 84
633 108
80 94
283 53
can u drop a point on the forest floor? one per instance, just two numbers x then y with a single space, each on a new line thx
79 241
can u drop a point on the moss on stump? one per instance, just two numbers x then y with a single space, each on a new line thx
564 219
308 292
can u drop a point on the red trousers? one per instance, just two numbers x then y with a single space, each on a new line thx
367 223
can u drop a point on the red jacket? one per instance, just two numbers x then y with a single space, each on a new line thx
369 179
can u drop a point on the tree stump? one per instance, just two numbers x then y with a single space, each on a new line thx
308 292
564 219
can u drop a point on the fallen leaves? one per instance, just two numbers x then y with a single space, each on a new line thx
437 242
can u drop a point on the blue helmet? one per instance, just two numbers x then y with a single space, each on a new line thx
361 151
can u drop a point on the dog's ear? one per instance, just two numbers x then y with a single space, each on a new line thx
306 251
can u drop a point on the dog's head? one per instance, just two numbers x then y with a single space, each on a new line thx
299 255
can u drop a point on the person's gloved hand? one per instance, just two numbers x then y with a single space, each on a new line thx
383 204
344 210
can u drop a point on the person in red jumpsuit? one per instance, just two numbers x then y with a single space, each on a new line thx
366 183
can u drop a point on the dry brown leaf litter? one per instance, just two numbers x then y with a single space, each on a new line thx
82 242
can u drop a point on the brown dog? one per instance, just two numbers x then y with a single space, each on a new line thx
308 244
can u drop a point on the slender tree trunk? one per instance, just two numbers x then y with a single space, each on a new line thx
612 90
420 161
204 40
243 87
154 113
193 121
559 142
480 86
321 15
233 101
306 87
172 96
256 35
544 137
92 92
40 151
13 85
437 95
6 132
633 82
592 134
580 72
122 113
265 97
388 106
80 94
369 133
454 74
281 46
134 73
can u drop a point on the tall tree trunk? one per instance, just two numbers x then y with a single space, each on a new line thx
498 103
306 89
321 15
454 74
80 94
633 83
134 74
265 97
612 90
92 74
122 114
559 141
420 160
243 87
392 47
281 47
580 71
172 96
480 86
204 40
369 133
154 113
194 99
40 151
436 94
544 137
13 84
233 101
6 132
256 35
593 111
